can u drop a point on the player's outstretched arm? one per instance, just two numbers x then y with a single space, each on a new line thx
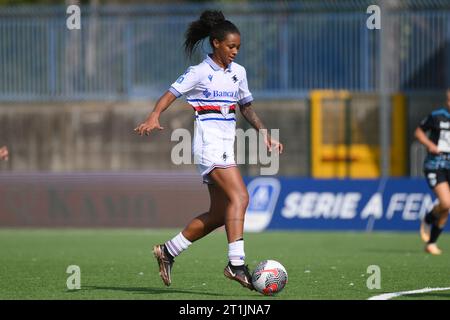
423 139
252 118
152 121
4 153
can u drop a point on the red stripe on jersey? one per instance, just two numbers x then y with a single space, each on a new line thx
202 108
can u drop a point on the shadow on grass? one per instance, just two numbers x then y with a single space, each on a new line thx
149 290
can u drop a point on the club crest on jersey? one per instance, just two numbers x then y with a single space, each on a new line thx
224 110
206 93
210 77
235 79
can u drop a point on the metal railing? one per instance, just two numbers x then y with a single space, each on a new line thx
418 154
287 49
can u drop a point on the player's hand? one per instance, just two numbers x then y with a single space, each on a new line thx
150 124
4 154
272 143
433 149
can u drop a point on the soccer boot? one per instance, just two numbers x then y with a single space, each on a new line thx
425 231
165 263
433 249
239 274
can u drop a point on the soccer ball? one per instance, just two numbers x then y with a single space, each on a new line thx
269 277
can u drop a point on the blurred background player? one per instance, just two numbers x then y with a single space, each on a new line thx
213 88
4 153
437 172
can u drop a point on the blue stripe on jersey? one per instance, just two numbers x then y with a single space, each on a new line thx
442 111
206 100
217 119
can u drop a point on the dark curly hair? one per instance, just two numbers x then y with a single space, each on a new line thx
211 24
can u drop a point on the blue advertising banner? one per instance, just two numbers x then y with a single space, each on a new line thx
297 203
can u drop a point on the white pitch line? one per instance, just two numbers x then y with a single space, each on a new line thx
388 296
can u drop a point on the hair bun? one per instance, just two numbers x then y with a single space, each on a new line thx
211 18
211 24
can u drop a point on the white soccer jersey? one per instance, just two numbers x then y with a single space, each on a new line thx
214 93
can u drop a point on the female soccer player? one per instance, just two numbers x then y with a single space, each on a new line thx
213 88
437 172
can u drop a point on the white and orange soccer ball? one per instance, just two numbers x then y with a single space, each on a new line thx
269 277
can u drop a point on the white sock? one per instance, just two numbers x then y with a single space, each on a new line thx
177 245
236 253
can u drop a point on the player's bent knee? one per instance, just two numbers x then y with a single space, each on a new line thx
245 198
241 200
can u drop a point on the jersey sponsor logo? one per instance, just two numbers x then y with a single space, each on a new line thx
264 193
444 141
230 94
444 125
206 93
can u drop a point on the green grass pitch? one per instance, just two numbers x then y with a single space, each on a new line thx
118 264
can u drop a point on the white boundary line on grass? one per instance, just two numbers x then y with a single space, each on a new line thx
388 296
